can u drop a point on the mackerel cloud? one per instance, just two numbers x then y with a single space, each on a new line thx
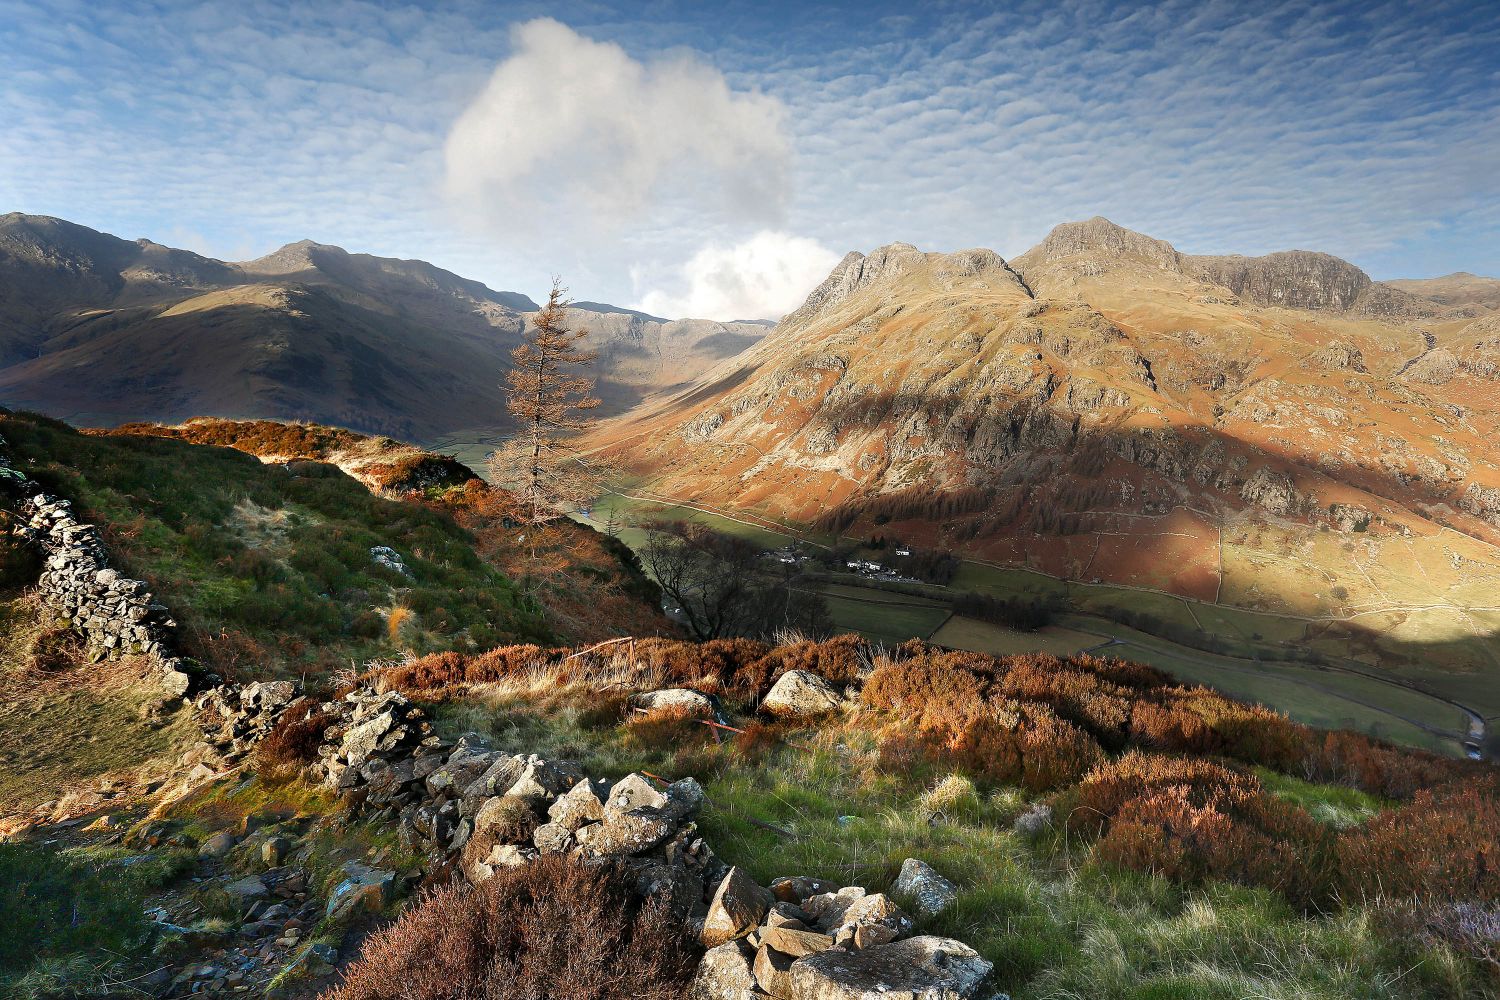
575 134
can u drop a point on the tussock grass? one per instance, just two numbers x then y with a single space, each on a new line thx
65 722
1058 924
73 918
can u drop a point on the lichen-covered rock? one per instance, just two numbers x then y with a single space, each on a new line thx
871 919
929 891
795 941
675 699
634 791
583 803
919 968
726 973
543 780
362 889
460 772
773 972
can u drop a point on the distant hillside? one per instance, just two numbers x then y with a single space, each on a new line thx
1458 289
101 330
1279 433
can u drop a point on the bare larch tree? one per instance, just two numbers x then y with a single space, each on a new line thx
550 398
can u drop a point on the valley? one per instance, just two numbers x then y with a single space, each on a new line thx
743 501
1258 657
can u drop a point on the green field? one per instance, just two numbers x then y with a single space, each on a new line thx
983 637
1322 697
631 514
1253 661
882 615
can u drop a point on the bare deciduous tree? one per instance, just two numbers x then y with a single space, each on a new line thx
550 399
719 586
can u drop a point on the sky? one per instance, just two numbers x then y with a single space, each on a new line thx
718 159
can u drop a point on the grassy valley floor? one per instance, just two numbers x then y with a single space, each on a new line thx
1258 656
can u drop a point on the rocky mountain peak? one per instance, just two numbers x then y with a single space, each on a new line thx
298 256
1296 279
891 262
1098 238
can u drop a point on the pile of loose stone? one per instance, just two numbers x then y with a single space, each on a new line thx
803 939
115 614
234 718
484 809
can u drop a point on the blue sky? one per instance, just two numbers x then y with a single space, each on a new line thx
717 160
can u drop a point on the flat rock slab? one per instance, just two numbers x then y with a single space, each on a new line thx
919 968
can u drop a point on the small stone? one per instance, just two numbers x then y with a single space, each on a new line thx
218 845
795 942
246 890
797 888
773 972
675 700
582 804
552 838
919 968
634 791
362 889
274 851
726 973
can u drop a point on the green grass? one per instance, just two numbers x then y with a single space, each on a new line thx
1334 805
1055 924
74 918
882 615
56 732
267 572
997 640
1320 697
631 513
1255 652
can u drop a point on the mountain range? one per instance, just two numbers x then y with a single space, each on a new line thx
102 330
1279 433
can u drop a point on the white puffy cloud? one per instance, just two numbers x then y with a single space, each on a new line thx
573 135
763 277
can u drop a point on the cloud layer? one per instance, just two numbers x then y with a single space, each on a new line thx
573 134
638 150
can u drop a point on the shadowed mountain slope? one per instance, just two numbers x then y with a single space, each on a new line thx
99 330
1279 433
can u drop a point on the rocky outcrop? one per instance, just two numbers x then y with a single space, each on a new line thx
1438 366
115 614
1294 279
1302 279
1482 501
468 804
1274 491
1092 246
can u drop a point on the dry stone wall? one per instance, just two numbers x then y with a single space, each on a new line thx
115 614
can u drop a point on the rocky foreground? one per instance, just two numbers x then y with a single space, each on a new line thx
467 806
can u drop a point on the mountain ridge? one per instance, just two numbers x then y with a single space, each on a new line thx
1102 409
105 330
